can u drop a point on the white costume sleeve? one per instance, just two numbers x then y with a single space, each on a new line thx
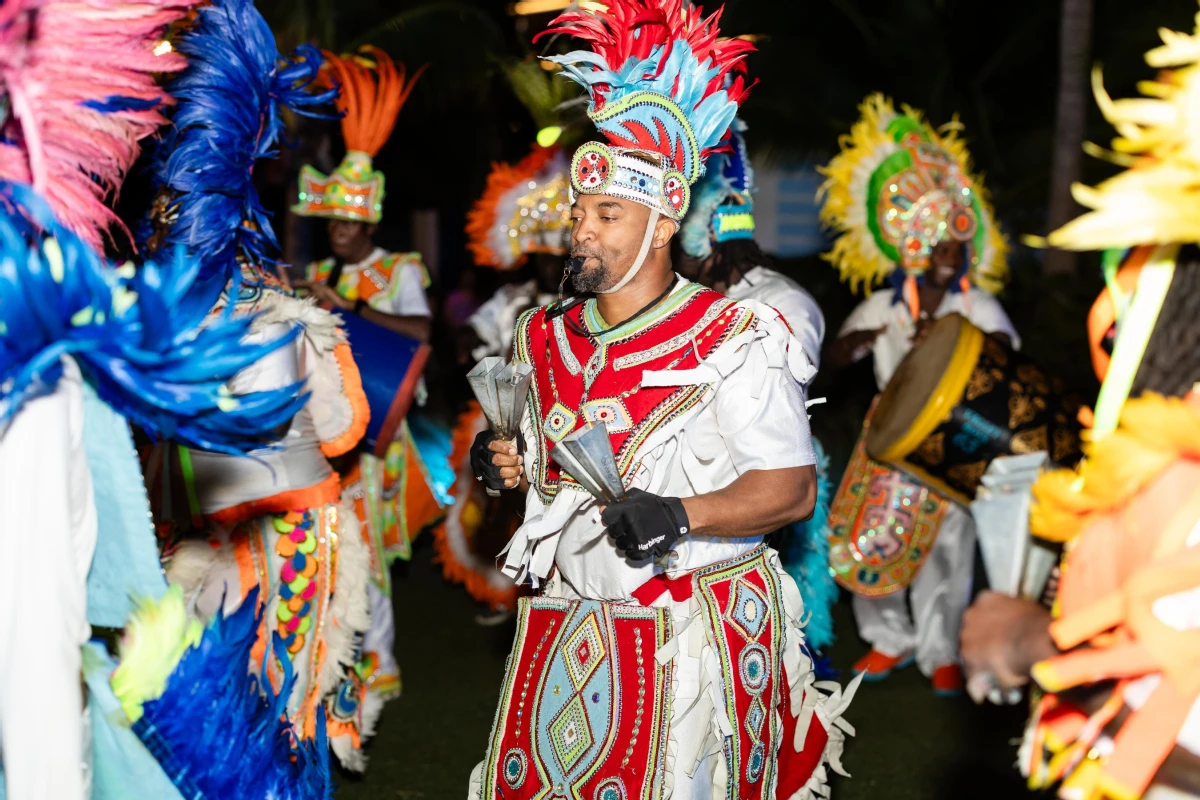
769 431
805 318
48 537
869 315
406 295
486 322
986 313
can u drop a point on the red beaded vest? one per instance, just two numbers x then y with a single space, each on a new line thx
586 372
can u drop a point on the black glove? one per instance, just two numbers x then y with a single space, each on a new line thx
481 459
644 525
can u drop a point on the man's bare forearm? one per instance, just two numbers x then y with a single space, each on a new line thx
758 502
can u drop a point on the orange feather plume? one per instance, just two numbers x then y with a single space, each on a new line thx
373 90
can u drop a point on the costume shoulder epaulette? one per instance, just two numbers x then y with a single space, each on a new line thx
523 333
389 262
320 268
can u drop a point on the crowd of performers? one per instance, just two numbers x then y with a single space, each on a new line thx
222 458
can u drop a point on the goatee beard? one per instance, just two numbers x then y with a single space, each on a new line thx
591 280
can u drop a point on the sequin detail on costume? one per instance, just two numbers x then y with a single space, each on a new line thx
516 765
564 348
609 412
296 544
559 422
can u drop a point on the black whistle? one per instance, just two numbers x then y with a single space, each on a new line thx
575 265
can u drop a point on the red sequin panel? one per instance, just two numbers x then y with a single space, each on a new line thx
584 708
744 613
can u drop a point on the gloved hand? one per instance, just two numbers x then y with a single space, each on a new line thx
487 464
644 525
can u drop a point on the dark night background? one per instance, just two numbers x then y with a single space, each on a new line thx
997 65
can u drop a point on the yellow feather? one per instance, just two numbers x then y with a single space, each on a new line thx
1157 199
856 253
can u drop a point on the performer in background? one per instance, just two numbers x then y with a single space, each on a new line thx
719 250
1116 659
520 223
939 250
665 655
392 496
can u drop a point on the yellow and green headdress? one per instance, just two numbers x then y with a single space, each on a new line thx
897 188
372 90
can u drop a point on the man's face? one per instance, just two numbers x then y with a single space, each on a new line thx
348 239
944 262
607 232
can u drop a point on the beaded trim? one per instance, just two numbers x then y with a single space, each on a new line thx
676 342
564 347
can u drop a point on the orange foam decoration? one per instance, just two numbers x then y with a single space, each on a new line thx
353 389
476 583
323 493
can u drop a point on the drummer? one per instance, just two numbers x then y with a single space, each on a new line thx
939 263
387 289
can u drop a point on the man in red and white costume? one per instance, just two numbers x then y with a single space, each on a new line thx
664 656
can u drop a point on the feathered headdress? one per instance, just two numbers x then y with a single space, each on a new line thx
657 79
1155 200
216 730
371 91
138 336
80 80
723 206
897 188
524 209
227 117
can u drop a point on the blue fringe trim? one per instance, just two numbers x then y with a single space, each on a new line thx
807 561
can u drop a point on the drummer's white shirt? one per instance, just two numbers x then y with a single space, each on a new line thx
790 299
405 295
753 418
878 310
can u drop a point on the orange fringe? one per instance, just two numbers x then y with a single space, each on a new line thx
352 386
327 491
476 584
482 216
372 93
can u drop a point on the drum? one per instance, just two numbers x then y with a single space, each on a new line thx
882 525
961 399
390 365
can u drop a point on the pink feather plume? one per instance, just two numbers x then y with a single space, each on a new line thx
57 55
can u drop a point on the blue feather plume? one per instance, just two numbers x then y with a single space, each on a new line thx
727 173
137 336
226 118
806 558
707 196
681 77
222 733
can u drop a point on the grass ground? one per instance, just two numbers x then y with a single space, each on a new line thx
910 744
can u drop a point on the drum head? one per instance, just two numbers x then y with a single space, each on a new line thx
912 384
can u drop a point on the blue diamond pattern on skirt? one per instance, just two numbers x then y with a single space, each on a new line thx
748 611
570 734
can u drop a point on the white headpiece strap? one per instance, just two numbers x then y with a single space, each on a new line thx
641 256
